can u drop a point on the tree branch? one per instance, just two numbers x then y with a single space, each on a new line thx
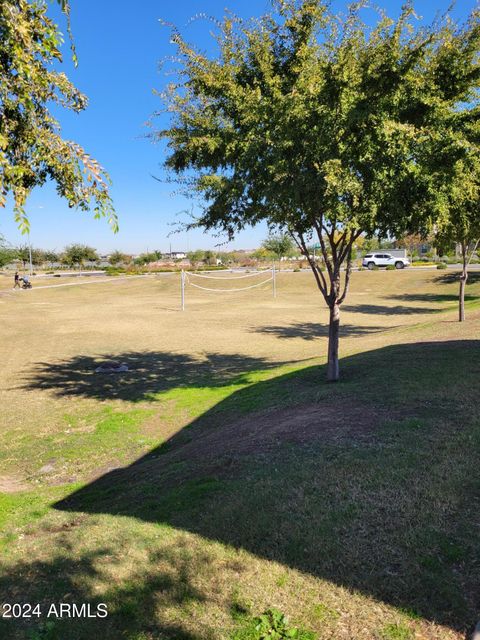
348 273
324 249
319 277
472 252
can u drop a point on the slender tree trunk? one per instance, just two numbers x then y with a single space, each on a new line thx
333 368
461 300
461 306
330 285
463 282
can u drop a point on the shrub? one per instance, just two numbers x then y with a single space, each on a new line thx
441 265
114 271
296 269
396 632
390 267
272 625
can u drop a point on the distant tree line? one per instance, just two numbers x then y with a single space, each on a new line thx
74 255
275 247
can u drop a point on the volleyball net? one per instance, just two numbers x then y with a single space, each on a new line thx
200 281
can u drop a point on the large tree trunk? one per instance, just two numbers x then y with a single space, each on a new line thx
333 368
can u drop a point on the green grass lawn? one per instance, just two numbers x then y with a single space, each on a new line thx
200 490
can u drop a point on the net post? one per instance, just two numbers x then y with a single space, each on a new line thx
274 281
182 281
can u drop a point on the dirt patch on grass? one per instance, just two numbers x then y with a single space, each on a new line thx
12 484
218 446
330 420
215 448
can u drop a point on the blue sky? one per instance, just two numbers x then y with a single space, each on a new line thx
119 46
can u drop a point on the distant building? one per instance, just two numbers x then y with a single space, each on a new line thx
176 255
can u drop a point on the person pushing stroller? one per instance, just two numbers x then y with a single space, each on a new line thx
22 282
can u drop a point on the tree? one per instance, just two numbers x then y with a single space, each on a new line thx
231 257
281 245
146 258
51 257
316 124
32 150
410 242
22 253
210 257
38 256
263 254
77 254
195 257
454 158
374 243
117 257
7 254
460 222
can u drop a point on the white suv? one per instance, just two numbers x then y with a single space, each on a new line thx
372 260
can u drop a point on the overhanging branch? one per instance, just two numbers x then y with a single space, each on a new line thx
319 277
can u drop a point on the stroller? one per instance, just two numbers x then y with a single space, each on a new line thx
26 284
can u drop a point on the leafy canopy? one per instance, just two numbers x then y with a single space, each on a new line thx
280 244
454 155
461 201
117 257
51 256
24 252
78 254
32 149
7 253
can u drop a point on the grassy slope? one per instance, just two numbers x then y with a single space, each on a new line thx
363 527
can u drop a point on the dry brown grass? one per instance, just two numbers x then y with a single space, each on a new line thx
100 320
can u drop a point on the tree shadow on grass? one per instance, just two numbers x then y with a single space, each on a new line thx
430 297
383 310
134 608
371 484
454 277
313 330
149 374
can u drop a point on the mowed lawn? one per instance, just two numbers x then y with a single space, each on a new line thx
221 476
